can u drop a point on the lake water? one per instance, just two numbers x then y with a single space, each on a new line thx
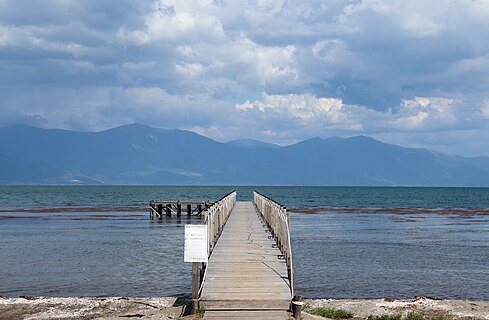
347 242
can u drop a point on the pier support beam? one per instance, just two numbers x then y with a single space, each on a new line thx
195 287
161 207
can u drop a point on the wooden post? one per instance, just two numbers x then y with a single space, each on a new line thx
168 209
199 208
179 209
195 287
189 209
297 303
159 209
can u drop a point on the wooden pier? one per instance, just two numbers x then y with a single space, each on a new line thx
158 208
249 273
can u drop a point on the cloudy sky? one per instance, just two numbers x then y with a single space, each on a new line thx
409 72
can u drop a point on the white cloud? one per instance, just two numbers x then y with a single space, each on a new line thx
266 65
332 51
190 70
5 37
173 23
326 114
422 27
424 111
476 64
484 110
411 121
357 7
308 110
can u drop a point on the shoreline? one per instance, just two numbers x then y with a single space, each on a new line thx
176 308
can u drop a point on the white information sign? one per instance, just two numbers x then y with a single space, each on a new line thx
196 248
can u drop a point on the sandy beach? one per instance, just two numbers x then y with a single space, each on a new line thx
428 308
30 308
38 308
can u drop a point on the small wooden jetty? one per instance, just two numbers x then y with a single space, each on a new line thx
249 272
158 208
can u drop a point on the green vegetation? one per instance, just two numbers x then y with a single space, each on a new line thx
409 316
333 313
328 312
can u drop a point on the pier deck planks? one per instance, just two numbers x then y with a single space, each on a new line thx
248 315
244 271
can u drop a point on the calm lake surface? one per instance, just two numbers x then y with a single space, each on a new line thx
425 241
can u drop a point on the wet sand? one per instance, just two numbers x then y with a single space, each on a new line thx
30 308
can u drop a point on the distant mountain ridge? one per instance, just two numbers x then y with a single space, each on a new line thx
138 154
251 144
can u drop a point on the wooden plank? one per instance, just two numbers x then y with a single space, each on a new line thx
248 285
250 278
257 265
262 304
245 295
255 315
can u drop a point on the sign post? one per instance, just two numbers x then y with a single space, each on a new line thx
196 250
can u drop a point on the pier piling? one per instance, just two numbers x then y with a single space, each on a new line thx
297 303
195 287
177 207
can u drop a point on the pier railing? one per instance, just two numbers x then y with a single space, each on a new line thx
277 217
216 218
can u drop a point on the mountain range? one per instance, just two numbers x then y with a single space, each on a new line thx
138 154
